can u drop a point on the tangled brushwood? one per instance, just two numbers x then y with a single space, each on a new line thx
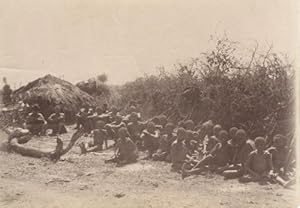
253 91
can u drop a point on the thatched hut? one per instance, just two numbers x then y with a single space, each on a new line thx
50 91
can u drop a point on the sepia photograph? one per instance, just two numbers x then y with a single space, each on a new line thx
149 104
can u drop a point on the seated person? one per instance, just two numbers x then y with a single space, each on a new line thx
99 136
232 132
178 150
56 122
81 118
209 144
216 160
89 122
280 152
35 121
93 117
135 128
131 109
112 128
126 149
205 132
102 114
113 114
258 164
150 138
191 143
239 149
216 129
165 142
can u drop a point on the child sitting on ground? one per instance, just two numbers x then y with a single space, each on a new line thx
258 164
135 127
217 159
178 150
191 143
150 137
239 149
166 140
279 153
126 149
99 136
209 143
206 131
112 128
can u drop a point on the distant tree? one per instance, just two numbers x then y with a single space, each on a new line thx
95 86
102 78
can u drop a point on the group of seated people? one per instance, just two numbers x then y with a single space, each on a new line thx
38 125
191 149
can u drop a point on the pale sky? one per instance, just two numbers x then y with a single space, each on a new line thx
80 39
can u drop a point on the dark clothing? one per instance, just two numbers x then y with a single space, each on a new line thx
127 150
151 141
56 123
35 123
6 94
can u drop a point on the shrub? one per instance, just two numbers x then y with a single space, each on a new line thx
254 91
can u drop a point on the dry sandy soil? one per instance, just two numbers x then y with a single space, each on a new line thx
80 181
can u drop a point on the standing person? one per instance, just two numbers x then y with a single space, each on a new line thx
6 92
35 121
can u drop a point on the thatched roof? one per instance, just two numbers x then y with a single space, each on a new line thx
50 90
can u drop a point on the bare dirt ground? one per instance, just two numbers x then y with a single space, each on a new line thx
80 181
